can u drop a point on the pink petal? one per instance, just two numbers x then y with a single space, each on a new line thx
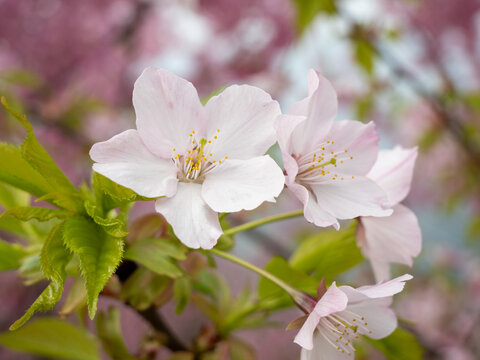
245 116
333 301
304 336
311 210
320 108
284 126
125 160
167 109
360 141
237 185
350 198
393 239
393 171
192 220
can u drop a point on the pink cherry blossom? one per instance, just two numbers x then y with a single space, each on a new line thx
342 314
397 238
196 160
326 161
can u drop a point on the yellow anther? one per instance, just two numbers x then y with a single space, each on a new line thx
346 150
218 130
173 149
209 141
193 142
219 161
210 154
215 137
323 147
226 157
363 318
351 157
193 131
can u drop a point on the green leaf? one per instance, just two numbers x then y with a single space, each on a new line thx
157 254
99 255
55 256
114 226
53 260
144 287
113 195
17 172
26 213
10 255
53 338
11 197
40 160
76 298
46 301
109 331
182 291
400 345
272 295
328 253
307 10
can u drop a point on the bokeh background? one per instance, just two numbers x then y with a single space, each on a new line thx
412 66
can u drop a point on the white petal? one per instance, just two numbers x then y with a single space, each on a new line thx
245 116
350 198
381 320
192 220
361 142
323 350
311 210
386 288
125 160
167 109
237 185
320 107
393 171
393 239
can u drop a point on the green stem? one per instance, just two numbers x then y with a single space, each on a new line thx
260 222
256 269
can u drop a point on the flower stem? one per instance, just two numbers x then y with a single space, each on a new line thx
290 290
260 222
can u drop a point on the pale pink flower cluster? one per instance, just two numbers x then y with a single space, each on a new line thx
342 314
198 161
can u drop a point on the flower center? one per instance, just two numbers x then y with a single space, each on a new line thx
322 163
342 329
197 161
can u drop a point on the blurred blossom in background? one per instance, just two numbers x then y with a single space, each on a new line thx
411 66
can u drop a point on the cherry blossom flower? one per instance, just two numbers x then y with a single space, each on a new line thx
326 161
397 238
342 314
196 160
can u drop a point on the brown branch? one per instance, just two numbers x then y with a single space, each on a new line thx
151 314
